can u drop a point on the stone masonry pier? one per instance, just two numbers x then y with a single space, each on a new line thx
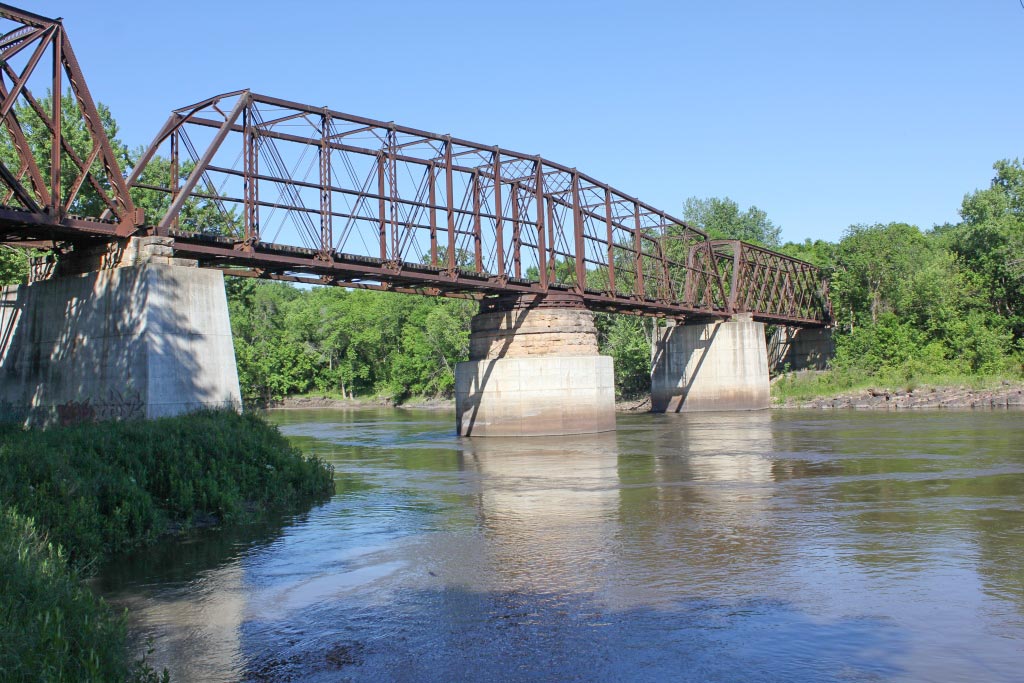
534 370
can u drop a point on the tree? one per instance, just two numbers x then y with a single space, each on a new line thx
990 241
197 214
722 219
627 339
873 266
820 253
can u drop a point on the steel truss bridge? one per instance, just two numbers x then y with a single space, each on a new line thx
263 187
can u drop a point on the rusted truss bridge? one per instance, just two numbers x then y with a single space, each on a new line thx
264 187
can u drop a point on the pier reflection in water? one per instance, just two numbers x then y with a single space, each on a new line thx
759 546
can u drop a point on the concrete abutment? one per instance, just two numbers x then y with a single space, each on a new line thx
534 370
147 336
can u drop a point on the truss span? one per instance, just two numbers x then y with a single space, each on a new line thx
301 192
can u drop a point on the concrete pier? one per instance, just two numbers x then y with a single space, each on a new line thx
710 366
147 338
800 348
534 370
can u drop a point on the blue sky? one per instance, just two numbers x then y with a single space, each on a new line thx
822 113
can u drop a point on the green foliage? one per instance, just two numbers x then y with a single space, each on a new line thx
722 219
819 253
52 628
627 339
74 494
108 487
873 267
990 241
197 214
803 386
891 346
910 305
13 265
88 201
359 342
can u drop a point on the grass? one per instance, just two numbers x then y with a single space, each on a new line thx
52 628
72 495
805 386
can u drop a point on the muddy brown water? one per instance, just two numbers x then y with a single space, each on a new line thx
769 546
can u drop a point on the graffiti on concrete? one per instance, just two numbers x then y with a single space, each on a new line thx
74 412
117 406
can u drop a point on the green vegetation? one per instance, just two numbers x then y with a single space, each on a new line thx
940 307
52 628
352 343
102 488
72 495
838 381
722 219
199 214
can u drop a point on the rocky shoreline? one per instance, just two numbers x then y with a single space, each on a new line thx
953 397
1006 396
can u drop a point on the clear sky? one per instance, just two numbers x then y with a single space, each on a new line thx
821 112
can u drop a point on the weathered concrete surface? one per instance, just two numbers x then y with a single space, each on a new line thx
538 396
796 348
534 372
713 366
145 340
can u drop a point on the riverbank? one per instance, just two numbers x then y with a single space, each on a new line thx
314 401
951 397
70 496
984 393
829 389
640 404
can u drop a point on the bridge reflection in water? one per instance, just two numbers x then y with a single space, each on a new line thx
612 517
572 511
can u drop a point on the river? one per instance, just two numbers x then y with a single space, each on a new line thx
767 546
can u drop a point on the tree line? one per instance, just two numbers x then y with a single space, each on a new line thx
913 303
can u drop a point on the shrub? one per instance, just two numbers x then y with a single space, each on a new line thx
108 487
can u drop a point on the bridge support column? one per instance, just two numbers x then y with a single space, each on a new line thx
146 338
710 366
534 370
796 348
